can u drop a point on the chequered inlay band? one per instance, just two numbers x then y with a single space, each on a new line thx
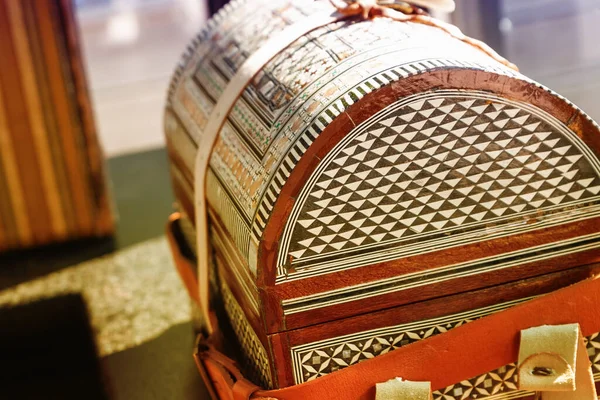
316 359
255 360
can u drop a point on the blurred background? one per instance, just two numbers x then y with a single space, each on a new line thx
131 298
131 47
552 41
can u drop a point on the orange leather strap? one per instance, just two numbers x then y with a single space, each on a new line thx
462 353
185 266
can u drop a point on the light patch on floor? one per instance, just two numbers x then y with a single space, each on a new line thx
132 296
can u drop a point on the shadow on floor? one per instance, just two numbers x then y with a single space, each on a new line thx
48 352
20 266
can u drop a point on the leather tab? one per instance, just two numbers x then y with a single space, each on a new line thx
553 360
547 357
398 389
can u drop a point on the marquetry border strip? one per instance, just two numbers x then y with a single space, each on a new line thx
256 359
400 334
423 278
189 52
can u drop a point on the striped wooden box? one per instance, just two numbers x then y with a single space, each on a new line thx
52 184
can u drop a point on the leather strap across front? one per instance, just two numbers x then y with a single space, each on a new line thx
462 353
552 362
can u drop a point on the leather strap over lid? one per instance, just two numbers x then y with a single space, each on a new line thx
234 89
552 362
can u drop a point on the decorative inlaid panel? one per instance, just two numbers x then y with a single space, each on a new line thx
495 385
313 360
433 167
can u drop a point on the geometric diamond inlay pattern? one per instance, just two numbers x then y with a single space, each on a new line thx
439 164
322 361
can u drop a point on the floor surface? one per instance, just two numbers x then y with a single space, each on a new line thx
131 48
161 368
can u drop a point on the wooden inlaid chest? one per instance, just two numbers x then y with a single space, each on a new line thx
377 183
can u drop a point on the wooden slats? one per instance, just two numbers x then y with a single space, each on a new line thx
50 163
13 199
32 102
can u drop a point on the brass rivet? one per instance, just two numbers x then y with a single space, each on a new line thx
542 371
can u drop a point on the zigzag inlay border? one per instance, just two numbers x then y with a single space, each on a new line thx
331 351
